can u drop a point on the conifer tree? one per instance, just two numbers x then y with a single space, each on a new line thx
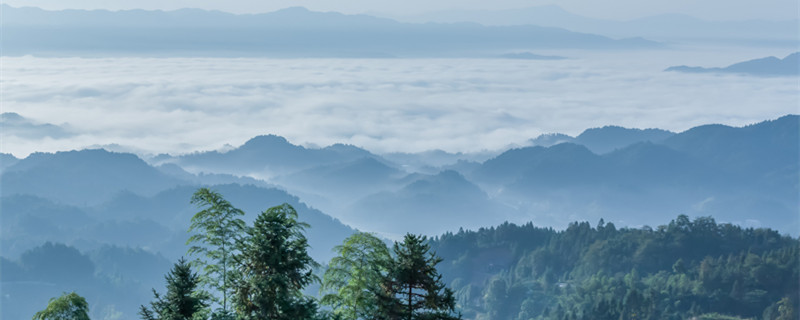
414 289
182 300
273 267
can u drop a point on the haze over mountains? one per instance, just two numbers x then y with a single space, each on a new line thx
331 112
111 204
292 32
769 66
610 172
23 127
663 27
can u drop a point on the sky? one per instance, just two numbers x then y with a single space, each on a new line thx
612 9
179 105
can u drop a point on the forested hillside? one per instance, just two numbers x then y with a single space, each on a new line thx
687 268
108 224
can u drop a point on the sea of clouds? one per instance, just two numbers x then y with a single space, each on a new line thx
179 105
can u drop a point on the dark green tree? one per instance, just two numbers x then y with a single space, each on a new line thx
182 302
414 289
273 267
217 226
354 276
69 306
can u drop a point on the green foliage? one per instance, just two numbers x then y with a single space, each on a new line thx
354 275
688 268
217 226
182 302
414 288
69 306
273 267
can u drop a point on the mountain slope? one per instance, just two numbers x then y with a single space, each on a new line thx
172 208
429 204
83 177
769 66
736 174
7 160
509 271
343 181
14 124
268 155
605 139
744 149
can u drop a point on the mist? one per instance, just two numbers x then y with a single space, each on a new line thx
180 105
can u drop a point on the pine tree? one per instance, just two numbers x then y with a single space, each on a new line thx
273 267
182 300
414 288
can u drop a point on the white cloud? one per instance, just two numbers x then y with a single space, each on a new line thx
181 104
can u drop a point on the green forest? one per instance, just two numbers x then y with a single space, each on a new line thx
687 269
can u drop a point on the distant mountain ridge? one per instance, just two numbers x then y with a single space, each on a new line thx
293 32
111 190
117 193
665 27
731 173
429 204
268 155
613 172
81 177
14 124
629 176
605 139
769 66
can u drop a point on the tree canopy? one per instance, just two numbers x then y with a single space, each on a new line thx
69 306
216 229
413 288
182 301
354 276
686 268
273 267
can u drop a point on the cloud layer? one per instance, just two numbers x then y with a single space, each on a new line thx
185 104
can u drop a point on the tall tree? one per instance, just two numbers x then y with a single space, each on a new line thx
216 228
273 267
354 276
415 287
69 306
182 301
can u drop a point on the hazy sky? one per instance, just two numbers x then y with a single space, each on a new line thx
611 9
182 105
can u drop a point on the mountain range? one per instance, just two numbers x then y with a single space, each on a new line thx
665 27
769 66
605 139
119 199
292 32
111 204
629 176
